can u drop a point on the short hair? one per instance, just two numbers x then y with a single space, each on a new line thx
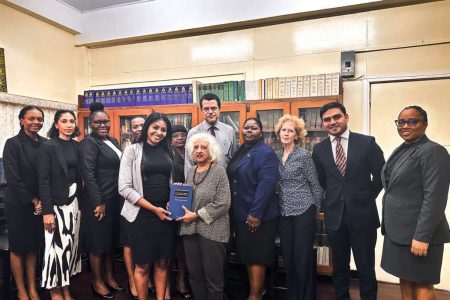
258 121
331 105
299 127
54 132
24 110
152 118
178 128
209 97
420 110
213 146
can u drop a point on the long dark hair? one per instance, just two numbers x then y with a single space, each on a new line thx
24 110
54 132
152 118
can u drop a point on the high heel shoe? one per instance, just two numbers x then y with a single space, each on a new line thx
105 296
117 289
131 294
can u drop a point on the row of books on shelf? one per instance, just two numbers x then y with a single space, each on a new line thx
293 87
142 96
227 90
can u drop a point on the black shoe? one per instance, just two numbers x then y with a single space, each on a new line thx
117 289
105 296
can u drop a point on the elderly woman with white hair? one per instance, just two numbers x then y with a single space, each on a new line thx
206 229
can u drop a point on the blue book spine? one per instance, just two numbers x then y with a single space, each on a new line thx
119 98
163 98
157 96
170 95
107 98
144 97
190 94
138 93
151 96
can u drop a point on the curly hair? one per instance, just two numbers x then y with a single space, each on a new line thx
299 127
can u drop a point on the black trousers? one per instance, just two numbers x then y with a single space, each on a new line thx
204 261
362 244
297 234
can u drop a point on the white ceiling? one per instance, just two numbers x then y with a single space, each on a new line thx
89 5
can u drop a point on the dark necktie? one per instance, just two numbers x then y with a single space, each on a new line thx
341 161
212 130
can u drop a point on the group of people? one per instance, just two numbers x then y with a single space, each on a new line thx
250 192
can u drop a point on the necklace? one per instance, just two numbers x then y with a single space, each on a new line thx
203 179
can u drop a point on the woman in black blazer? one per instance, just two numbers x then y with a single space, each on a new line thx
22 202
59 183
100 162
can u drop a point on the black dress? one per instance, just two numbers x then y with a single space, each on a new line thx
150 238
25 230
100 172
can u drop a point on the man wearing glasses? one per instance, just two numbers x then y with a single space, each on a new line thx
224 134
349 168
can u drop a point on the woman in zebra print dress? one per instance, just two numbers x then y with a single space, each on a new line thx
59 182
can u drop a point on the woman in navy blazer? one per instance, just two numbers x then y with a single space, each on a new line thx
59 183
100 162
253 174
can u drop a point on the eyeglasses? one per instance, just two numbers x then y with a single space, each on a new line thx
212 109
335 117
410 122
100 122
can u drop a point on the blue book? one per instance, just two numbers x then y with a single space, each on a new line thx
180 195
144 97
151 96
169 95
190 95
157 98
138 97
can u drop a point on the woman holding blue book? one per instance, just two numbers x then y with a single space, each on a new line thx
206 229
146 170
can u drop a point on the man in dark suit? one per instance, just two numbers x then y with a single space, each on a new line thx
349 168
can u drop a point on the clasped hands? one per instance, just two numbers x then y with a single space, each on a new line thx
419 248
253 223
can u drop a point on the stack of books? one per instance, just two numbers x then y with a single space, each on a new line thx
317 85
227 90
142 96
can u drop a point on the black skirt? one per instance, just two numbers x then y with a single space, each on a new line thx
25 230
150 238
101 236
398 260
256 248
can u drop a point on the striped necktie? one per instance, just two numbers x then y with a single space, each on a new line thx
341 160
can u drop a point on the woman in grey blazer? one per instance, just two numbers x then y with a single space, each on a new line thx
416 180
206 229
146 170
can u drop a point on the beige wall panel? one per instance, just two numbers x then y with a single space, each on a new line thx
221 72
312 36
418 60
40 58
83 72
225 47
409 25
298 65
387 101
353 104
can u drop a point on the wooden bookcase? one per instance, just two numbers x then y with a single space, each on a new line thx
232 113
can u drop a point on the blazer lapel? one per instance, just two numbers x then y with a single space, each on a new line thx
352 149
62 160
249 155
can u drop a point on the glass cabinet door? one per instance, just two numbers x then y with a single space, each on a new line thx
232 118
313 125
126 136
86 128
269 118
181 119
